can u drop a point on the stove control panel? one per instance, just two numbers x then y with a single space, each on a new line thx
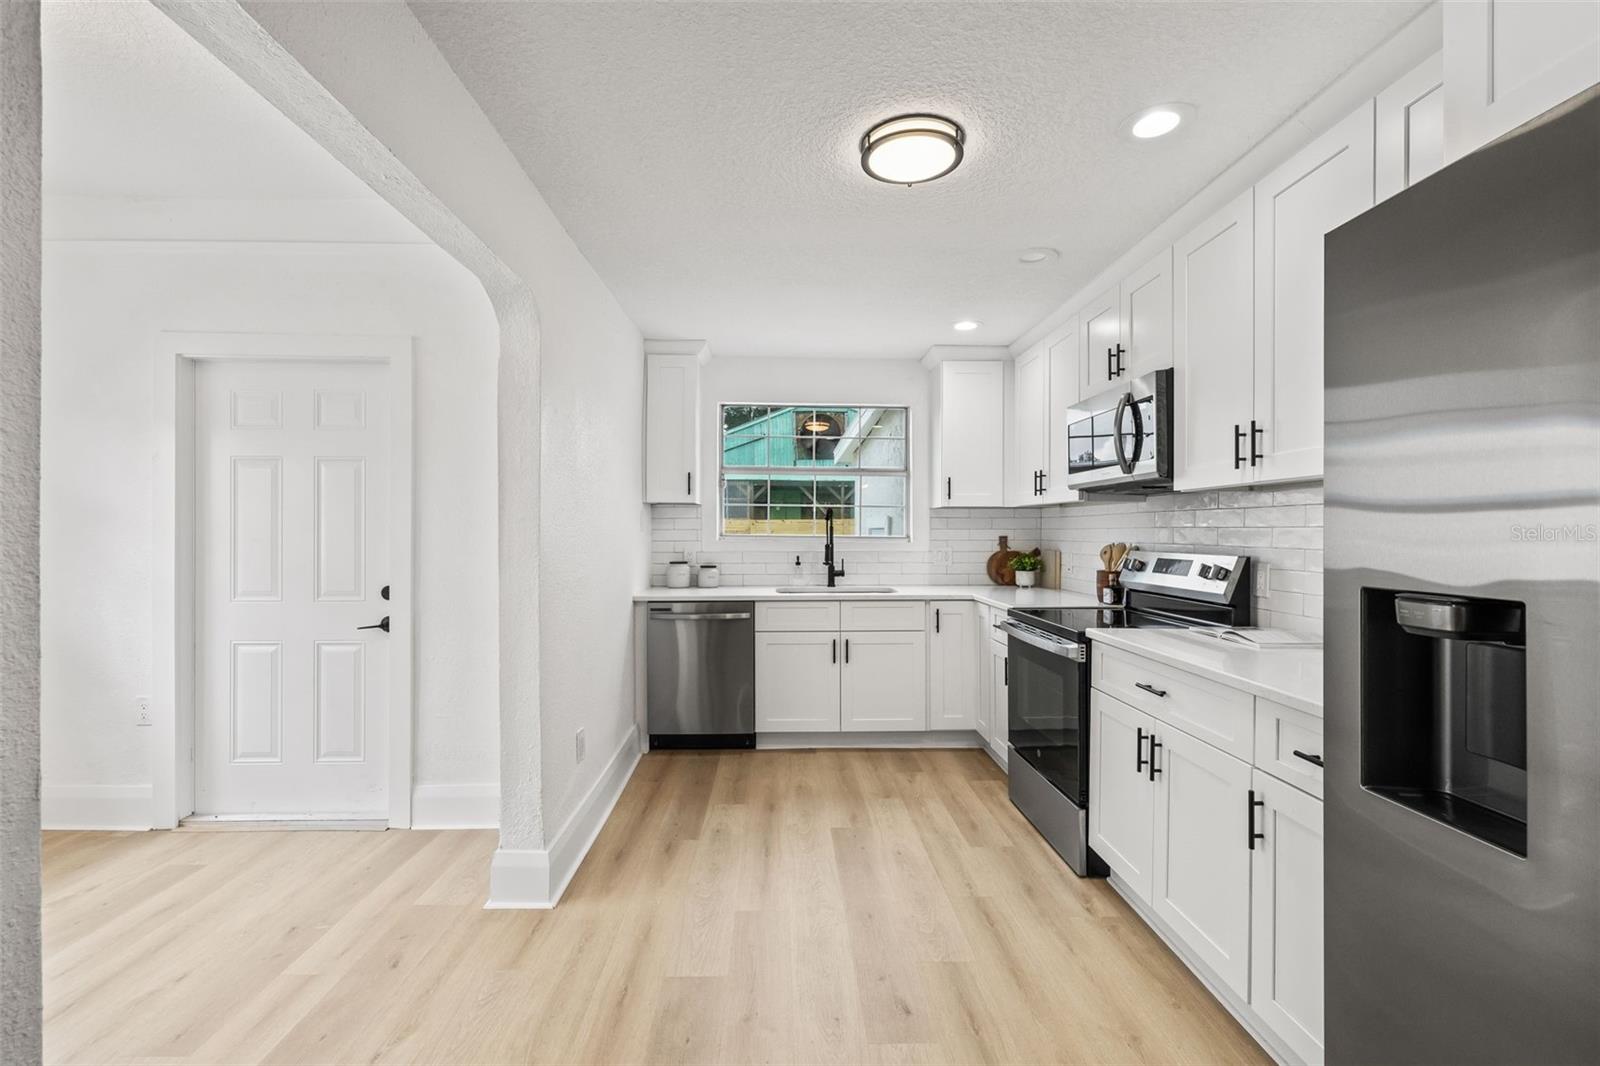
1210 577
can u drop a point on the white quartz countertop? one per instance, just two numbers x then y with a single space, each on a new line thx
1002 596
1291 676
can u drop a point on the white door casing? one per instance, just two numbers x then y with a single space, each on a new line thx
176 539
291 698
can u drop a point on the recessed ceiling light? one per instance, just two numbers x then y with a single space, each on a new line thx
911 149
1157 121
1038 255
967 324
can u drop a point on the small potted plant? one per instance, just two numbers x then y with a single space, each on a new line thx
1026 569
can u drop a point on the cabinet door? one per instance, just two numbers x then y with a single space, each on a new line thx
797 682
1100 330
1146 314
999 701
1214 347
972 435
1325 185
1286 920
1410 128
1507 61
953 665
1031 398
1121 795
671 427
1062 355
1202 854
884 685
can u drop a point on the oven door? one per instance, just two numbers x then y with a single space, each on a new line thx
1048 708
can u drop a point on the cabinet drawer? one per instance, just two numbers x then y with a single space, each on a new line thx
992 618
902 616
809 616
1280 733
1221 716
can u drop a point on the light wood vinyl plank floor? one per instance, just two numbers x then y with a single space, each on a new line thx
751 907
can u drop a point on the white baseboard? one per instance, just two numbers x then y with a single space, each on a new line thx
534 879
949 738
455 807
105 807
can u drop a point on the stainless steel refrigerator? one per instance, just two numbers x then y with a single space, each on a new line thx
1463 610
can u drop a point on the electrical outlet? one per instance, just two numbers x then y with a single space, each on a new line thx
942 556
1067 569
577 741
1262 583
141 710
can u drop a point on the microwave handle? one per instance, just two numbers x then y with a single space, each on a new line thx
1138 433
1116 432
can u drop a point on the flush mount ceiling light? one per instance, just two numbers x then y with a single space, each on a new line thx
1033 256
966 325
912 149
1157 121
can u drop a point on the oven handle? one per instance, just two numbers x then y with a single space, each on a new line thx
1067 649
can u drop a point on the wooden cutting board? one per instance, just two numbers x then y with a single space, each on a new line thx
999 565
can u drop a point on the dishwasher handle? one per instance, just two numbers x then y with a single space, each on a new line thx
731 616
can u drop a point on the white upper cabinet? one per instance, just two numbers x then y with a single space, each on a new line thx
1507 61
953 694
970 460
1100 332
1030 391
1213 301
1146 318
1410 128
672 427
1323 186
1061 358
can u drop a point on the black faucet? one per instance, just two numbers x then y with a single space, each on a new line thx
827 548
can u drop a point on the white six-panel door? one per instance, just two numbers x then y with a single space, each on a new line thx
292 539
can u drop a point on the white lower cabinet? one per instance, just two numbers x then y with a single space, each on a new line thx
1286 915
1224 857
797 682
999 702
1201 871
953 692
1121 790
884 682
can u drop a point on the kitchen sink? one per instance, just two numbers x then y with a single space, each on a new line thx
843 590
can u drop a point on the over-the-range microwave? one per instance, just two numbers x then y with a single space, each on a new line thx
1121 440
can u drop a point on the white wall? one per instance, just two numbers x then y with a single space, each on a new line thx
104 302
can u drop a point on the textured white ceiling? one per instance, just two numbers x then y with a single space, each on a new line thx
703 155
134 107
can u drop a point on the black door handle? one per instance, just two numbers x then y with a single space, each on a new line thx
1154 744
949 487
1110 373
688 483
1151 689
1255 431
1238 442
1005 665
1250 812
1121 369
936 619
1314 760
383 625
384 592
835 649
1139 759
847 651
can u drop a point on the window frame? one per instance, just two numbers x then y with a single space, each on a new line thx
788 541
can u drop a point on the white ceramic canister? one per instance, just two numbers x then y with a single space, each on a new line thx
678 574
710 576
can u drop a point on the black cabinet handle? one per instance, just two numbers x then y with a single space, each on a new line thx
1110 371
835 649
1006 666
1139 759
1255 431
1238 443
949 487
688 483
1121 369
847 651
936 619
1151 689
384 592
1041 482
1154 744
1250 814
1314 760
383 625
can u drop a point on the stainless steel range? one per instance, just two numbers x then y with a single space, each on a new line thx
1048 680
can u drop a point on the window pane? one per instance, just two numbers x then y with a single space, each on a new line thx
883 492
836 494
744 451
883 522
890 422
818 451
745 420
882 453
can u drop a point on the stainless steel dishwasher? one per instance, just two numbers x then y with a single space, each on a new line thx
701 662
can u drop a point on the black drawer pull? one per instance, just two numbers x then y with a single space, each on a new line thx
1314 760
1151 689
